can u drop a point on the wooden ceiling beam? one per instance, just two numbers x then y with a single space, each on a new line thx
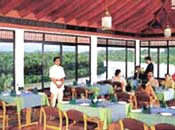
29 9
128 14
112 9
10 6
56 4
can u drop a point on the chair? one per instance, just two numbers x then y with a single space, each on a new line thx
79 121
132 124
123 96
79 91
53 118
171 103
7 113
142 99
117 86
67 93
163 126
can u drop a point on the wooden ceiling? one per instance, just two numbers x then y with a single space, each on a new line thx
135 16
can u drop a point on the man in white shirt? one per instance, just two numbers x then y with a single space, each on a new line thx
57 75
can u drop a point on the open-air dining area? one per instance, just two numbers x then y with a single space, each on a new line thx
87 64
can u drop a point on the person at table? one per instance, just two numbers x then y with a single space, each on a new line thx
57 75
150 66
138 73
168 82
152 81
118 78
147 88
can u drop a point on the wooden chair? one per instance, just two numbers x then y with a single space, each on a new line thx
7 113
132 124
80 90
53 118
80 121
163 126
123 96
67 93
142 99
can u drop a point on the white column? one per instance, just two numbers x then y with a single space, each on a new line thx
93 59
19 58
137 52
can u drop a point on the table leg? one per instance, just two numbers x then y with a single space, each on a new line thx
28 116
19 120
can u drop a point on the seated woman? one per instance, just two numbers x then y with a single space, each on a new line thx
168 82
146 88
151 80
118 78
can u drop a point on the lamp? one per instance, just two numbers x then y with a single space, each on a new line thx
172 4
167 31
106 20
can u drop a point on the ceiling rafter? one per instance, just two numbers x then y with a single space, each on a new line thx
113 9
133 22
29 9
9 6
129 14
66 10
56 4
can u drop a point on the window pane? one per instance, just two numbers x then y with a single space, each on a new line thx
171 60
33 65
68 62
154 56
116 60
131 62
83 63
143 54
50 51
6 66
163 62
101 63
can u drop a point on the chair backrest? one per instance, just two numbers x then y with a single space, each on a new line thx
2 107
122 96
52 112
163 126
132 124
142 97
75 115
117 86
79 91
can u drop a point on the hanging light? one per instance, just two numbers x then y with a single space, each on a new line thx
106 20
167 31
172 4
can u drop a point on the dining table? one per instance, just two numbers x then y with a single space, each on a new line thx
155 116
106 111
26 100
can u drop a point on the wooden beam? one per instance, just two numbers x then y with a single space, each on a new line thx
66 10
29 9
130 11
9 6
55 5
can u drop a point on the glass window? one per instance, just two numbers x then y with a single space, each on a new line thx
154 56
68 63
83 63
33 65
162 62
143 54
101 63
130 61
50 51
171 60
6 66
116 60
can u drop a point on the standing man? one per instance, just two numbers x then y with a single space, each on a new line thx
150 66
57 75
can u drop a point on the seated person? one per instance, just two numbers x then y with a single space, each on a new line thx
118 78
151 80
146 88
168 82
138 73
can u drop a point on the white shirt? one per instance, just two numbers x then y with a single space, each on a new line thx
56 72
